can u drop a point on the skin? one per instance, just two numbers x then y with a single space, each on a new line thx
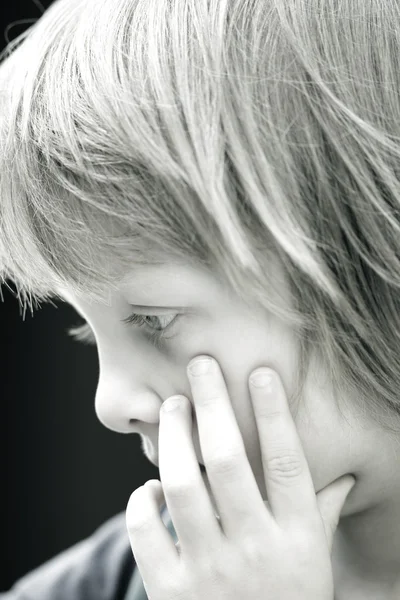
135 378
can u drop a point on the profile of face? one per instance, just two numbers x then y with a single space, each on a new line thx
202 317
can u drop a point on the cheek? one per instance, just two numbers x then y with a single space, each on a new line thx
326 442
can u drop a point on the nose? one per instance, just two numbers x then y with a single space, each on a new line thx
124 404
120 406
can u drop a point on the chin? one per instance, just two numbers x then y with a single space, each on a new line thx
151 455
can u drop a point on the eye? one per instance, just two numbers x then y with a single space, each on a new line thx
84 333
156 334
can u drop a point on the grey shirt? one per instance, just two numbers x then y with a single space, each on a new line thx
101 567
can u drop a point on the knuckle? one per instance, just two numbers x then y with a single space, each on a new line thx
180 490
272 416
210 398
284 466
275 422
139 526
224 464
253 551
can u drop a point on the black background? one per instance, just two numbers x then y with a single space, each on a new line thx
63 472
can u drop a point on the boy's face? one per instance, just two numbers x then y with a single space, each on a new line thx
135 377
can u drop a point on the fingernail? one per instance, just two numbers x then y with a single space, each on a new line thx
172 403
199 367
262 379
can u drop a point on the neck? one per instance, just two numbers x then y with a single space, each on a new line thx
366 551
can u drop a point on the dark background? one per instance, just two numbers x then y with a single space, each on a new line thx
62 472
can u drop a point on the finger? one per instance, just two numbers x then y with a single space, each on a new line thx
187 498
151 543
330 502
231 478
290 489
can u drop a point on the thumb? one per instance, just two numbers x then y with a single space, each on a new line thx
330 502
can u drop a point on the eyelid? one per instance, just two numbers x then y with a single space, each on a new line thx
155 310
84 333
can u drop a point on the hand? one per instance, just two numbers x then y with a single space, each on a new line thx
253 552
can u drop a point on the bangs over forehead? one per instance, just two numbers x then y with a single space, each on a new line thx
120 147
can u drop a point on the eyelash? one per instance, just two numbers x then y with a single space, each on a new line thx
84 333
156 336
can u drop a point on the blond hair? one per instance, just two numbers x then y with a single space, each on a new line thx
229 134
